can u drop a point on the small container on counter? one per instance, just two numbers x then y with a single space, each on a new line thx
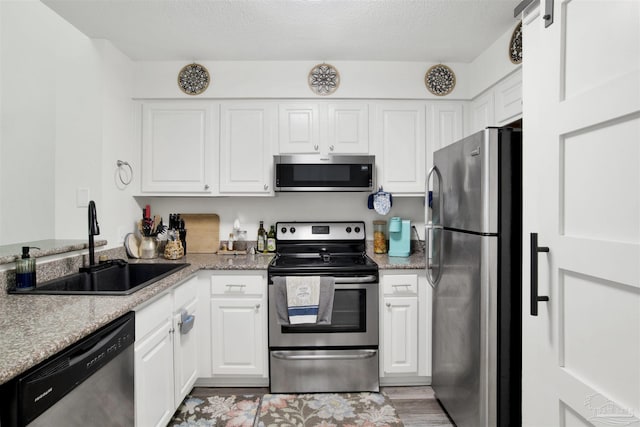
26 271
148 247
379 237
241 240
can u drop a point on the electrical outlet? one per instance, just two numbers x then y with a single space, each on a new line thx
82 197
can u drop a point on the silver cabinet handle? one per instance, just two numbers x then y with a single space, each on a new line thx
232 286
315 147
331 147
257 308
433 281
266 187
206 186
389 304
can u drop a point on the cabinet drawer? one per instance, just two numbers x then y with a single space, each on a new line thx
400 284
238 285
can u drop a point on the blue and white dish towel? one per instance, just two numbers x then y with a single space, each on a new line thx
303 298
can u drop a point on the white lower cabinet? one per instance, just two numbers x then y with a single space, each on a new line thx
165 357
239 346
405 330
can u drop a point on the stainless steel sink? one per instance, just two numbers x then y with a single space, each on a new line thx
111 278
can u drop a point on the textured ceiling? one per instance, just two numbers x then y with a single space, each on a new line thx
376 30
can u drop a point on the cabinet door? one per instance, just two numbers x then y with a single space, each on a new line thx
177 147
482 112
400 346
245 148
401 150
154 395
185 345
348 128
445 126
508 95
299 128
238 340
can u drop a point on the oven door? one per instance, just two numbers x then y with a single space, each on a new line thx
354 320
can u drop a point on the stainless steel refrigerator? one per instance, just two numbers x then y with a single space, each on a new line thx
475 271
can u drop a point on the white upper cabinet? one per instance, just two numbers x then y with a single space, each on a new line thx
499 105
482 112
508 99
348 127
324 128
445 126
401 146
178 154
246 160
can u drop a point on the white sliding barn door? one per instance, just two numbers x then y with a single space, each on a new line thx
581 107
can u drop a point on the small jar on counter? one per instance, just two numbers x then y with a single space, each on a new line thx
379 237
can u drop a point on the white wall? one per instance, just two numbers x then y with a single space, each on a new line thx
491 66
66 113
288 79
28 82
288 207
67 100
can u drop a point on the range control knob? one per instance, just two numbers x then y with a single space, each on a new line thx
357 229
348 229
283 230
292 230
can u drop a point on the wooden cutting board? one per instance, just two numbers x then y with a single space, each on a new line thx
203 233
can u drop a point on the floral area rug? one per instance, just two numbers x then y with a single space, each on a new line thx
288 410
225 411
327 410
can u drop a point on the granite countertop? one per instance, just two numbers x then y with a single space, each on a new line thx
9 253
35 327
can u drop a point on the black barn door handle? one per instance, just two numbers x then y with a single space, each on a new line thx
535 249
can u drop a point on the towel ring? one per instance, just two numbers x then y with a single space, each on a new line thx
126 180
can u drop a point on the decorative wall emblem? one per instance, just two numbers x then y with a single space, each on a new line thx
193 79
515 45
440 80
324 79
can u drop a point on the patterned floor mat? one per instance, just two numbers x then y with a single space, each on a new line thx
288 410
225 411
327 410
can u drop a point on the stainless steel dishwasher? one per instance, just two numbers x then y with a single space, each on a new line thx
88 383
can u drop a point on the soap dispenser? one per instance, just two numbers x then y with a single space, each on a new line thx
26 270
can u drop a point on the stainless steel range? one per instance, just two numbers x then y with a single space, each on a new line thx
341 355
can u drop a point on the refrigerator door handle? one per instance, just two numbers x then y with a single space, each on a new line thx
433 281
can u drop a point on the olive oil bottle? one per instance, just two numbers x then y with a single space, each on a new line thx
271 239
262 238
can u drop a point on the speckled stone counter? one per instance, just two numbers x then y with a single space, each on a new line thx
9 253
35 327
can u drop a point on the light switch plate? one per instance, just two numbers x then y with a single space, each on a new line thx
82 197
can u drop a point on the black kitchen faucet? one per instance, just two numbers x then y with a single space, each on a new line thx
94 230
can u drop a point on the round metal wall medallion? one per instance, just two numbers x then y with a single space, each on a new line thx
515 45
440 80
193 79
324 79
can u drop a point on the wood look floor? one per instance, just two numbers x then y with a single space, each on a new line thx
416 406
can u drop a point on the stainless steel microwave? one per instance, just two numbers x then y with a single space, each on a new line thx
311 172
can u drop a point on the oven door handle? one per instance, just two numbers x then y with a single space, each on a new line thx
358 354
363 279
